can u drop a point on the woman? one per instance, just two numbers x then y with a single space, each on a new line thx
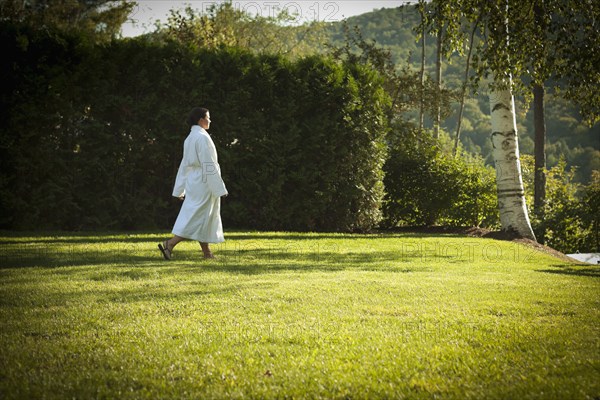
200 186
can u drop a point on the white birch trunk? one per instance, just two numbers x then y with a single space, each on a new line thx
511 195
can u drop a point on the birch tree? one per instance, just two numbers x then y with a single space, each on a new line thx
547 40
509 181
514 217
534 42
494 61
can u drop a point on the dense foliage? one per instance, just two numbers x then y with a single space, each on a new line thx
102 19
91 135
571 220
426 186
567 132
225 24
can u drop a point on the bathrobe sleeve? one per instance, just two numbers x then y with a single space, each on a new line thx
210 166
179 188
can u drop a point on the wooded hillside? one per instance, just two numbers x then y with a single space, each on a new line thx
567 134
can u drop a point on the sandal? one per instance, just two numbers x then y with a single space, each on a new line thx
164 249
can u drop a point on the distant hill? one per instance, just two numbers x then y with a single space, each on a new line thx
567 135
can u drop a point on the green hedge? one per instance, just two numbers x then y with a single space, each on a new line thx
304 149
91 136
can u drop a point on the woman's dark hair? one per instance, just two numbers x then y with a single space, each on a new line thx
196 114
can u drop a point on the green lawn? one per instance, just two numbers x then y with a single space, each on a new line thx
289 315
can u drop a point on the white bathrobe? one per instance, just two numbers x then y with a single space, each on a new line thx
199 179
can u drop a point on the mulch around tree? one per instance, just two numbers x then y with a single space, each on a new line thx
485 233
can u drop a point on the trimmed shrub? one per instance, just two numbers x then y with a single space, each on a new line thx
427 187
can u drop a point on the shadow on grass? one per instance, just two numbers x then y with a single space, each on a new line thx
248 256
72 256
73 238
265 261
60 249
337 236
256 262
574 270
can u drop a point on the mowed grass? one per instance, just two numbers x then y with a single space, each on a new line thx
289 315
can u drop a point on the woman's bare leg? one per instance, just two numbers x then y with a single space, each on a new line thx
206 250
167 246
171 243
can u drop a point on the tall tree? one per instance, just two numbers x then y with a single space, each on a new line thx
516 45
539 121
560 30
225 25
545 37
511 195
437 19
465 85
509 180
102 18
438 80
539 183
422 12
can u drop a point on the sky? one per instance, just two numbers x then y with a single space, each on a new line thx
147 11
